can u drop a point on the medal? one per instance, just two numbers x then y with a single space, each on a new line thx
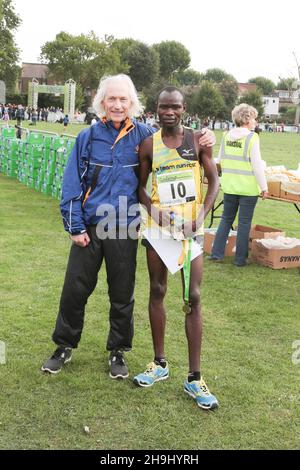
186 309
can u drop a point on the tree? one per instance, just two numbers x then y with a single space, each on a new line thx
207 101
83 58
254 98
229 91
293 86
189 77
174 58
9 53
287 115
151 94
285 83
142 61
216 75
227 86
264 85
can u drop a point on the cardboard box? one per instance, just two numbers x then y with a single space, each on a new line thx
274 188
262 231
275 258
209 238
290 196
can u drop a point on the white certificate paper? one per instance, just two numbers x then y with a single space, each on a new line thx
168 249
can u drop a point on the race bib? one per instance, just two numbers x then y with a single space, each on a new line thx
176 188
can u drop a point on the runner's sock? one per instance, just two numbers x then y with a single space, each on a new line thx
160 361
194 376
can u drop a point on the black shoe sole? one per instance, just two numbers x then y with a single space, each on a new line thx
49 371
119 376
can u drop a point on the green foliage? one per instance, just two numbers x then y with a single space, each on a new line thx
287 115
17 98
227 86
83 58
229 91
216 75
174 58
82 100
264 85
189 77
254 98
207 101
285 83
151 93
142 61
9 53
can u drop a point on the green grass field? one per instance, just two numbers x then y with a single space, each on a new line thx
251 319
72 129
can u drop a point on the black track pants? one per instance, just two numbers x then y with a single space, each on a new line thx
80 281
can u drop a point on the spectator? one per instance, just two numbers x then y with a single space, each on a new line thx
243 179
34 116
66 121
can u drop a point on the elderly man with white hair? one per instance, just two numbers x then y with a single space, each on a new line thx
99 207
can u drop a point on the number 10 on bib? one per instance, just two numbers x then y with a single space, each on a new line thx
176 188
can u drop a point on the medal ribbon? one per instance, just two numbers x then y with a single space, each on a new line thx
187 269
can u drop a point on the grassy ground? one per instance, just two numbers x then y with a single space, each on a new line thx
57 128
251 320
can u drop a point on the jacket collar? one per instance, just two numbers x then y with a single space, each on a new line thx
126 127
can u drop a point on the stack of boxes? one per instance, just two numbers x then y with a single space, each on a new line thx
38 161
51 181
9 148
33 158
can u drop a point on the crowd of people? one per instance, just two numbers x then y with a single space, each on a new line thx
14 111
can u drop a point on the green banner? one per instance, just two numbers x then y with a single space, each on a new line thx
53 89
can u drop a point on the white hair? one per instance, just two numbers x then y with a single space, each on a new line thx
243 113
136 107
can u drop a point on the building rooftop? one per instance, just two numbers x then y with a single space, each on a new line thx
30 70
246 88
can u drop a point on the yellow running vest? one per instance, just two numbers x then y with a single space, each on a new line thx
177 178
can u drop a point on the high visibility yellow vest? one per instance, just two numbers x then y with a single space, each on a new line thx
237 173
177 178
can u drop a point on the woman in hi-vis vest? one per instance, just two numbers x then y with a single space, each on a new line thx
242 181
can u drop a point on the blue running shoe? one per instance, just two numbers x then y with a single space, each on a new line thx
154 373
199 391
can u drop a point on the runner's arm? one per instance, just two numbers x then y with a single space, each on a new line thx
145 160
211 173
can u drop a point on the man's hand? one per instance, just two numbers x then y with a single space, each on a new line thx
189 229
161 217
264 194
81 240
208 138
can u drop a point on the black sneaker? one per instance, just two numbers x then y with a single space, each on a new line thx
213 258
117 366
60 357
